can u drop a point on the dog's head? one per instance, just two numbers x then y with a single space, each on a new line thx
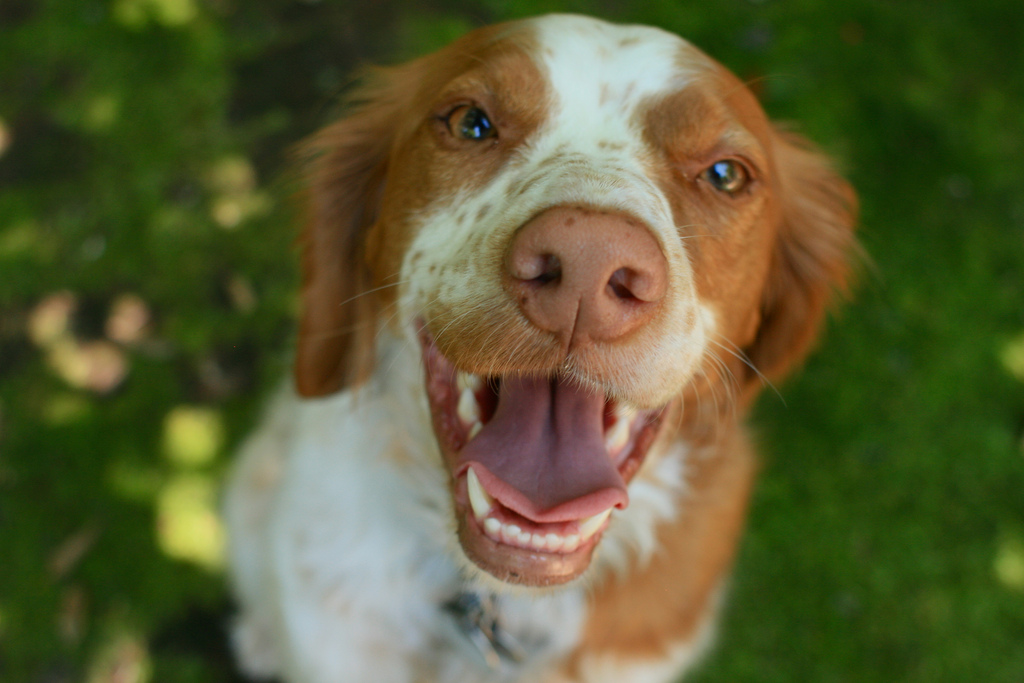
588 227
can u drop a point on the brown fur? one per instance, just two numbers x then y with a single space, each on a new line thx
358 199
663 603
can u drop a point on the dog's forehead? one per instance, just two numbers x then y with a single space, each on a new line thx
602 73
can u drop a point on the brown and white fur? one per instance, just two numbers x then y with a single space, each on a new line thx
589 239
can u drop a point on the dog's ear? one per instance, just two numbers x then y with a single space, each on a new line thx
812 254
345 167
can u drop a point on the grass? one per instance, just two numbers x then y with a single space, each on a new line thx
147 300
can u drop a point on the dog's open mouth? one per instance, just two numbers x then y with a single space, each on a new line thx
537 465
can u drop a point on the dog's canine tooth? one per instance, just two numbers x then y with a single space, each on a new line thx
468 410
590 525
625 412
479 499
617 436
466 380
475 429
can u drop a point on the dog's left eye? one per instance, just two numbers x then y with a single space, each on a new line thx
727 176
471 123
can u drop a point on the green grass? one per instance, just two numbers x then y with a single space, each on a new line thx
143 148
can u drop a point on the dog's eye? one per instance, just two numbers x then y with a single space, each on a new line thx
471 123
727 176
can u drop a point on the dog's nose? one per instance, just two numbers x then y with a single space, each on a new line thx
586 276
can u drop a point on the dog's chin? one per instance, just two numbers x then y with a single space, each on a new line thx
537 467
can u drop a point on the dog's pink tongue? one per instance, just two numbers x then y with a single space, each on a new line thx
542 455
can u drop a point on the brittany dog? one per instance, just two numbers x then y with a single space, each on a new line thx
546 271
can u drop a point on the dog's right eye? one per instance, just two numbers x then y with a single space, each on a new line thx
471 123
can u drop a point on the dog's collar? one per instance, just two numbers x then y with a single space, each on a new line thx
476 617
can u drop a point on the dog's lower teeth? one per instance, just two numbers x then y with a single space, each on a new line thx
512 534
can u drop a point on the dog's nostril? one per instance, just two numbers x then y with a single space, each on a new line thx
638 285
539 269
620 284
551 270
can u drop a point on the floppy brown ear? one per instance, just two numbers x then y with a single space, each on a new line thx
345 165
812 254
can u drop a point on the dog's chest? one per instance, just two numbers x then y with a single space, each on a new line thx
376 572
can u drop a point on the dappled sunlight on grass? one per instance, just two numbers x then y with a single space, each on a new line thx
128 319
1009 562
101 112
188 526
96 365
64 408
232 180
1012 357
50 320
26 238
121 657
5 137
137 13
133 481
193 436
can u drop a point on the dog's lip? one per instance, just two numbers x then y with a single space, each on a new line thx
515 564
522 566
507 562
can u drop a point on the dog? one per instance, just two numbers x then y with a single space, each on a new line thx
546 271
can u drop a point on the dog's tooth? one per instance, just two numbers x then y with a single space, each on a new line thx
468 410
553 542
570 543
617 436
466 380
474 430
510 533
538 542
625 412
492 527
479 499
590 525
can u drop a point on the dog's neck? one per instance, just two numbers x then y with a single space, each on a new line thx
477 617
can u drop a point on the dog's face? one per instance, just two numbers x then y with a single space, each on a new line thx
595 234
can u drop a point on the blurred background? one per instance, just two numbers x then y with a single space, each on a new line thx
147 300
